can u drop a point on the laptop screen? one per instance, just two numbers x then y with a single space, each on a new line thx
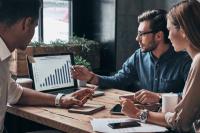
51 72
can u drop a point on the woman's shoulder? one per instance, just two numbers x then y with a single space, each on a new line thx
196 61
197 58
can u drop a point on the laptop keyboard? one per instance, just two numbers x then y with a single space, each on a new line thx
67 91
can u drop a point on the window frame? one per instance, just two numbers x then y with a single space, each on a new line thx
40 21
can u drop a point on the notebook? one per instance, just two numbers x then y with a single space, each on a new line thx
51 73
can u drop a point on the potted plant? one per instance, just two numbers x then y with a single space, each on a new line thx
81 61
81 46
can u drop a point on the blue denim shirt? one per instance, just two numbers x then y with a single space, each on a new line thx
166 74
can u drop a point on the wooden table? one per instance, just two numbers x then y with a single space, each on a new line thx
64 121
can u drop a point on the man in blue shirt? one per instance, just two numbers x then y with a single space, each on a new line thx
156 65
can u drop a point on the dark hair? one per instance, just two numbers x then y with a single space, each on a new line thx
185 15
13 10
158 21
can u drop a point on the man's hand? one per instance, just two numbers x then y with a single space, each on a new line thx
81 73
79 98
128 108
145 97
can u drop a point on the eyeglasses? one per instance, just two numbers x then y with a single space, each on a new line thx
140 33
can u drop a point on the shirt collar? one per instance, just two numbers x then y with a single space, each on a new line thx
169 52
4 51
166 55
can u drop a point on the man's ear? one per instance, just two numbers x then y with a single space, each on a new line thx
27 22
159 35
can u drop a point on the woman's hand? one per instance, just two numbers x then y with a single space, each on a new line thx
128 108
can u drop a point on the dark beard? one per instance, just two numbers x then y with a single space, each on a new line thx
152 46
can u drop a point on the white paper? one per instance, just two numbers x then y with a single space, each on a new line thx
101 125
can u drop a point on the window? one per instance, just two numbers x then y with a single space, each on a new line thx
55 21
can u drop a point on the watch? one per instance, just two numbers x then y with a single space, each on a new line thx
57 100
143 115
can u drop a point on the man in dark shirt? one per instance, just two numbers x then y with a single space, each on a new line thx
156 65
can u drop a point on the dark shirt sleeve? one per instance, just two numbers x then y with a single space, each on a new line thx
186 67
123 78
185 70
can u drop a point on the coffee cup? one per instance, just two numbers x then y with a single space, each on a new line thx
169 102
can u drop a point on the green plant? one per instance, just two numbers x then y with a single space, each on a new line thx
37 44
81 61
73 41
81 40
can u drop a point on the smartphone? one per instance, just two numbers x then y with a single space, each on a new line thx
116 110
124 124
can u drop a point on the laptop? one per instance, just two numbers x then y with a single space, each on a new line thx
51 73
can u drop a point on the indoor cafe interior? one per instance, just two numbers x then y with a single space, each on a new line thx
88 66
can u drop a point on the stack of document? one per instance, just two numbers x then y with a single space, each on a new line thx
101 125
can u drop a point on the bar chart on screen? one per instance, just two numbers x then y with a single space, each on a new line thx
52 72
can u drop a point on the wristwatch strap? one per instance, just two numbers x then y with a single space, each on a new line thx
57 100
160 100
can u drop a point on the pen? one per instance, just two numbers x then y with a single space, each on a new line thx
72 67
86 97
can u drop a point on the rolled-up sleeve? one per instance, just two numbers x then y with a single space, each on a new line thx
169 118
182 120
14 92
